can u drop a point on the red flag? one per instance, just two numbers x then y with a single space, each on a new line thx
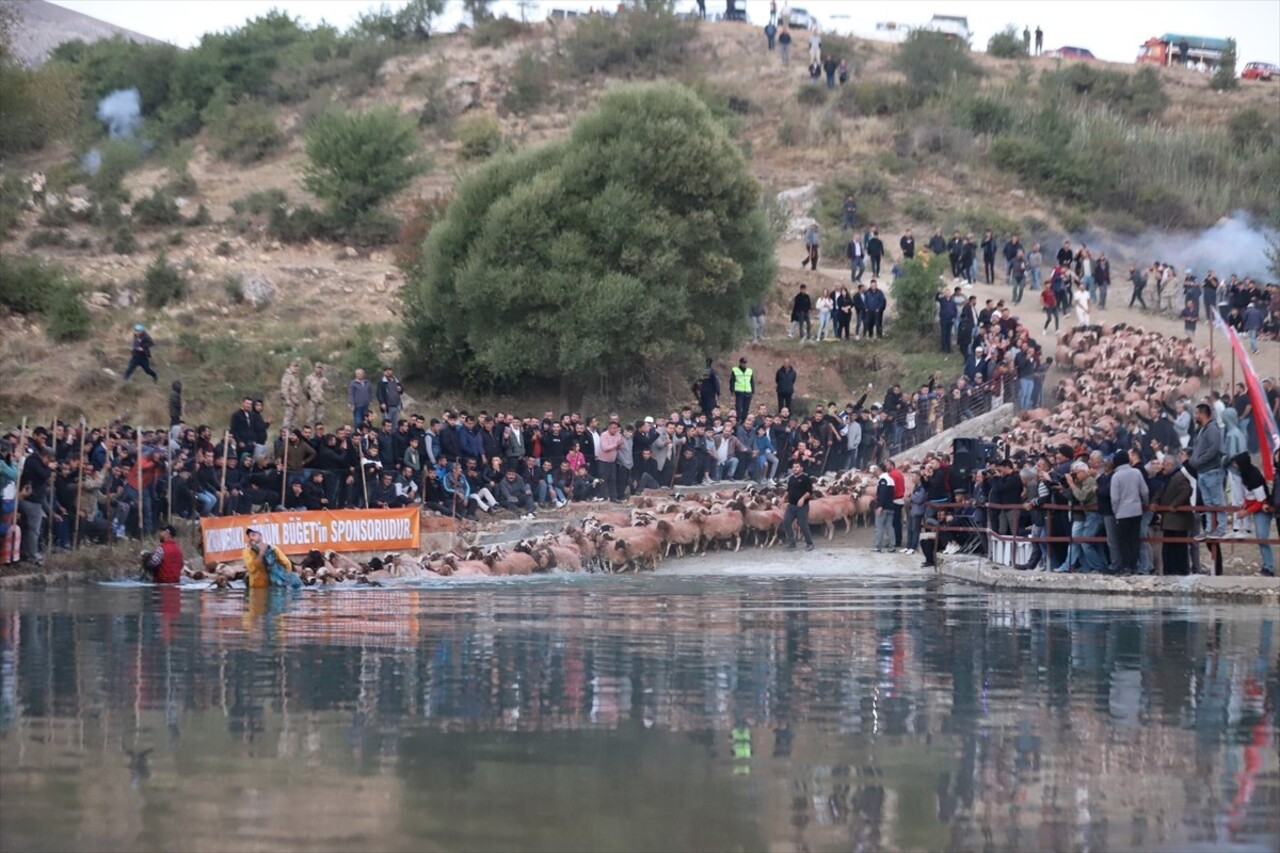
1263 420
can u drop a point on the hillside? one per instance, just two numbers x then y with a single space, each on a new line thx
42 26
254 301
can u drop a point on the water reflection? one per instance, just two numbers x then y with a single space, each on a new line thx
661 713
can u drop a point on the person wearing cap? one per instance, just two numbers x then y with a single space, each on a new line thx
140 354
164 564
267 565
743 387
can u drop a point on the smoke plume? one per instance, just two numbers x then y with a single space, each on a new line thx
1235 244
121 111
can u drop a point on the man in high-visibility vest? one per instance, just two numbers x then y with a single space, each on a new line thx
743 387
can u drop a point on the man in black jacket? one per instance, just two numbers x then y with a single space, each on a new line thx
1065 256
140 354
938 243
1139 279
799 492
801 305
785 379
955 247
243 426
989 258
908 245
1010 251
875 249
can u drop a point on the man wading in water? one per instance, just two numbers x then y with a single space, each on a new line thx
267 565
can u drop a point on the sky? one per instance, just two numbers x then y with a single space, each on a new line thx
1112 29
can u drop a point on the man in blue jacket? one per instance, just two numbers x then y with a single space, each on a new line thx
946 317
875 305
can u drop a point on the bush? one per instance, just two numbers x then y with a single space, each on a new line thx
29 284
919 209
412 21
811 95
224 249
124 243
69 319
200 218
41 238
259 203
299 225
356 161
156 210
39 106
934 61
480 136
1006 44
985 116
1139 96
13 195
182 184
530 85
373 227
495 32
58 216
649 40
913 295
115 158
162 283
1249 130
233 286
790 133
874 98
413 233
244 133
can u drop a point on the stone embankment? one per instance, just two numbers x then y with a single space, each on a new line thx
982 572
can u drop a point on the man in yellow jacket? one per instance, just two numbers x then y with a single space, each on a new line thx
266 564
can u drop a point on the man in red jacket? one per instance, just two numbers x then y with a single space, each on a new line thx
899 499
164 564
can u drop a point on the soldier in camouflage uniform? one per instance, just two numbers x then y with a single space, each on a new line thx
313 388
291 394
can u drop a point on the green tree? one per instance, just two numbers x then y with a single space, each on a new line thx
358 160
636 244
914 291
1006 44
932 61
478 10
1224 79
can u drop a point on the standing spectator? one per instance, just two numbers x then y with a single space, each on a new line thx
1210 293
1178 492
709 389
743 387
1102 278
140 354
1206 462
359 398
290 394
1049 302
1253 320
850 210
855 253
989 258
1039 40
908 246
770 33
755 314
843 313
937 243
702 9
1190 315
947 314
611 441
1026 39
824 305
1080 299
801 305
843 72
884 513
875 303
815 44
829 67
1018 272
773 11
785 380
175 402
1010 251
955 248
1035 263
389 389
968 259
799 490
313 389
1065 256
784 44
875 249
811 243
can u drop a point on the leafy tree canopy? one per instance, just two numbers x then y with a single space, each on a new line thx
636 244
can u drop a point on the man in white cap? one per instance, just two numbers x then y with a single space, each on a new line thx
140 354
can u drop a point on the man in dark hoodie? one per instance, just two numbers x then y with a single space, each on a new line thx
1206 461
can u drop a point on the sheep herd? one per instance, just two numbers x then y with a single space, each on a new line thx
1118 372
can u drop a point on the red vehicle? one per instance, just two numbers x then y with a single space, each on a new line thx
1067 52
1260 71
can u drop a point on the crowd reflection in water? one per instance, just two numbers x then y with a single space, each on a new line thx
918 717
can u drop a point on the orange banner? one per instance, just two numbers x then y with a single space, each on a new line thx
299 532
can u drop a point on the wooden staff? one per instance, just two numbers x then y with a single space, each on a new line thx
108 480
284 466
226 454
53 482
137 468
364 480
168 473
18 453
75 533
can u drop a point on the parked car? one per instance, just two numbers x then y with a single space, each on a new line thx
801 19
1067 52
1260 71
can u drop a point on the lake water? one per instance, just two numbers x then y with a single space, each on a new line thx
651 713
